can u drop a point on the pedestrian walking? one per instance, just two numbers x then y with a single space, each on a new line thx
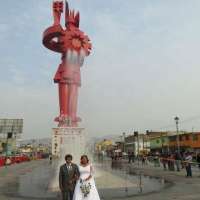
129 157
132 156
143 160
188 167
177 158
198 160
50 159
156 160
8 161
172 162
164 161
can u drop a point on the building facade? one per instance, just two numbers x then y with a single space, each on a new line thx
139 144
187 141
159 144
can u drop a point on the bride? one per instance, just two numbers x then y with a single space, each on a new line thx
85 187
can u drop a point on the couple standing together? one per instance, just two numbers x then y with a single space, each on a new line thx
77 182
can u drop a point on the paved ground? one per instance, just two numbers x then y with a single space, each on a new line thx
183 188
22 181
30 179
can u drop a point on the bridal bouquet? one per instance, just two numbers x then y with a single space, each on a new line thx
85 187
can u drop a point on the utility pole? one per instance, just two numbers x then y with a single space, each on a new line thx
124 136
177 134
162 143
143 142
138 150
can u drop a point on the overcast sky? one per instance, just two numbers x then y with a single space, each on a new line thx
143 71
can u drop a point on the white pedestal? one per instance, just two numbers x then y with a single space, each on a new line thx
69 140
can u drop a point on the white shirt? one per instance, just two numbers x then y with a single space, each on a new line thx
188 158
69 166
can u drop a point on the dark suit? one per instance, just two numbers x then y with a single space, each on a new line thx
67 180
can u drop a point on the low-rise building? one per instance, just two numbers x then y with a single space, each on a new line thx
159 144
187 141
105 145
137 143
158 141
169 141
130 143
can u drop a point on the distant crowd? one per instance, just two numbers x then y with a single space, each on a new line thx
177 161
170 161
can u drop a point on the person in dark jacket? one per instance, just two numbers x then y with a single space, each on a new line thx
68 175
198 160
129 157
178 159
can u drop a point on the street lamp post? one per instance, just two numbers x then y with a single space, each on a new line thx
124 135
177 134
162 143
136 134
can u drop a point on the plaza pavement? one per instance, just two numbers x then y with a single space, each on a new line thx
10 175
182 188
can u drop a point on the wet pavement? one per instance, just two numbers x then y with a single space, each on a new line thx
182 188
31 181
121 181
27 181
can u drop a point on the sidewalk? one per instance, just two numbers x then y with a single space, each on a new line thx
10 175
150 165
183 188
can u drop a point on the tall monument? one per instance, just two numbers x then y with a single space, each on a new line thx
74 46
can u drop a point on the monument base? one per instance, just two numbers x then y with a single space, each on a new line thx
69 140
66 140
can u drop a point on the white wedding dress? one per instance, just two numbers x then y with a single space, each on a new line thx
85 172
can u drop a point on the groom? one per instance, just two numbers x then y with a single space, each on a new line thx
68 176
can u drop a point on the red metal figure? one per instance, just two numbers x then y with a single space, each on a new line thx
73 45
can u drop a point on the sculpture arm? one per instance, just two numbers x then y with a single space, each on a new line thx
51 38
57 10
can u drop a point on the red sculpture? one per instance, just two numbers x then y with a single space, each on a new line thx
73 45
